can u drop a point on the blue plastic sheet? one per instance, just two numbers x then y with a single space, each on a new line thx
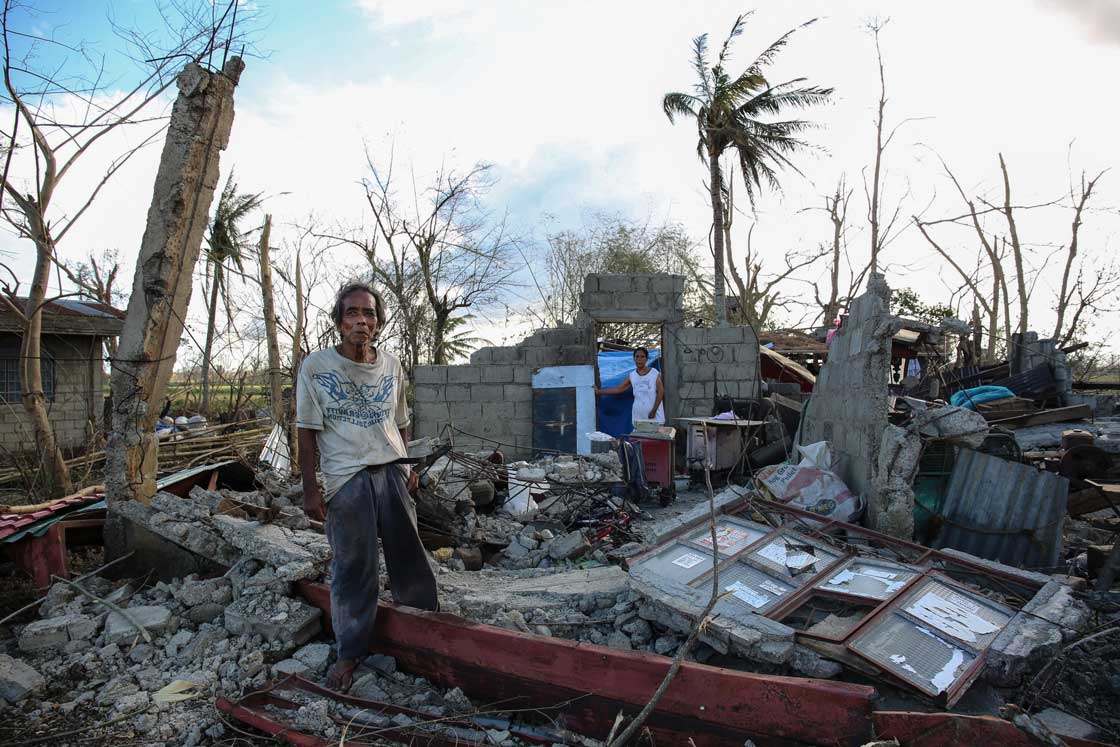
969 398
613 411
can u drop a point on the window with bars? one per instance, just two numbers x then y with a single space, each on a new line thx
10 378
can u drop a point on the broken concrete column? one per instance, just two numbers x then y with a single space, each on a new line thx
850 402
184 188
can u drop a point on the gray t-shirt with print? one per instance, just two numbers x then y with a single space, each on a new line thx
357 409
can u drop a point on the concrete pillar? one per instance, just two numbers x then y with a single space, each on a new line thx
161 290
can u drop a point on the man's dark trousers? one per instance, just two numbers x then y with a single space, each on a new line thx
373 503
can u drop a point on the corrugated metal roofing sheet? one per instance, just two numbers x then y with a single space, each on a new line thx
10 524
1003 511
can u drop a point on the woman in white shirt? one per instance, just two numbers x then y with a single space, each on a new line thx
649 391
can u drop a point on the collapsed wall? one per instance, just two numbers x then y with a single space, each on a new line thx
850 400
490 399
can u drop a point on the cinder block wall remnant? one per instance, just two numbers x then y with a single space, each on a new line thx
491 397
850 402
715 362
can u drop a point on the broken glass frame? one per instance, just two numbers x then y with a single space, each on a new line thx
793 557
917 654
750 590
959 614
679 562
872 579
732 535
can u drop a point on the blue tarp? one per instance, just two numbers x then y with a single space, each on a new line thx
613 411
969 398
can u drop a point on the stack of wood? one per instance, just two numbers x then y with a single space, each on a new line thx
187 449
1001 409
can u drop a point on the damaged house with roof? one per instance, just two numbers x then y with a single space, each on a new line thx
73 338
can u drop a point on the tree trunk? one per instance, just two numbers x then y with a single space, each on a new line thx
52 465
211 326
297 358
717 239
1016 251
184 189
275 375
439 332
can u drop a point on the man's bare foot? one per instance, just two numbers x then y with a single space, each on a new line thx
341 675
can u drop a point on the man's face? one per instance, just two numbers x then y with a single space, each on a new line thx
359 318
640 358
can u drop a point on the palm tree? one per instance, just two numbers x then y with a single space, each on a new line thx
223 248
729 114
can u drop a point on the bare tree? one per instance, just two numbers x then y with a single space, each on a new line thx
97 280
446 246
759 297
882 228
59 115
607 243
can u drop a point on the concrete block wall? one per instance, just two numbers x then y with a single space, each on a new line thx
491 399
644 297
78 395
715 362
850 401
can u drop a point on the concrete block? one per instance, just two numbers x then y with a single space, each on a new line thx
273 617
523 410
697 372
428 393
315 656
575 355
464 374
18 679
498 412
487 392
570 545
509 355
457 392
482 356
461 412
718 335
522 375
590 283
666 283
46 634
613 283
633 300
497 374
152 618
289 666
429 375
517 393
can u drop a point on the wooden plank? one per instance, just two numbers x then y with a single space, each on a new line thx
716 704
1096 497
1056 415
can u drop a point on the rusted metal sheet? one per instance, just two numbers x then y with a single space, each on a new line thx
713 706
1003 511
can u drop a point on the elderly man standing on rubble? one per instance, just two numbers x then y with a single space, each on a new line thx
350 403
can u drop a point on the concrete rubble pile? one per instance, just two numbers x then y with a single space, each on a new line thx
522 510
190 637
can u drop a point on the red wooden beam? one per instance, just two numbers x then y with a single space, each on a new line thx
718 705
938 729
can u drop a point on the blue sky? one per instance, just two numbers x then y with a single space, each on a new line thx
564 100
